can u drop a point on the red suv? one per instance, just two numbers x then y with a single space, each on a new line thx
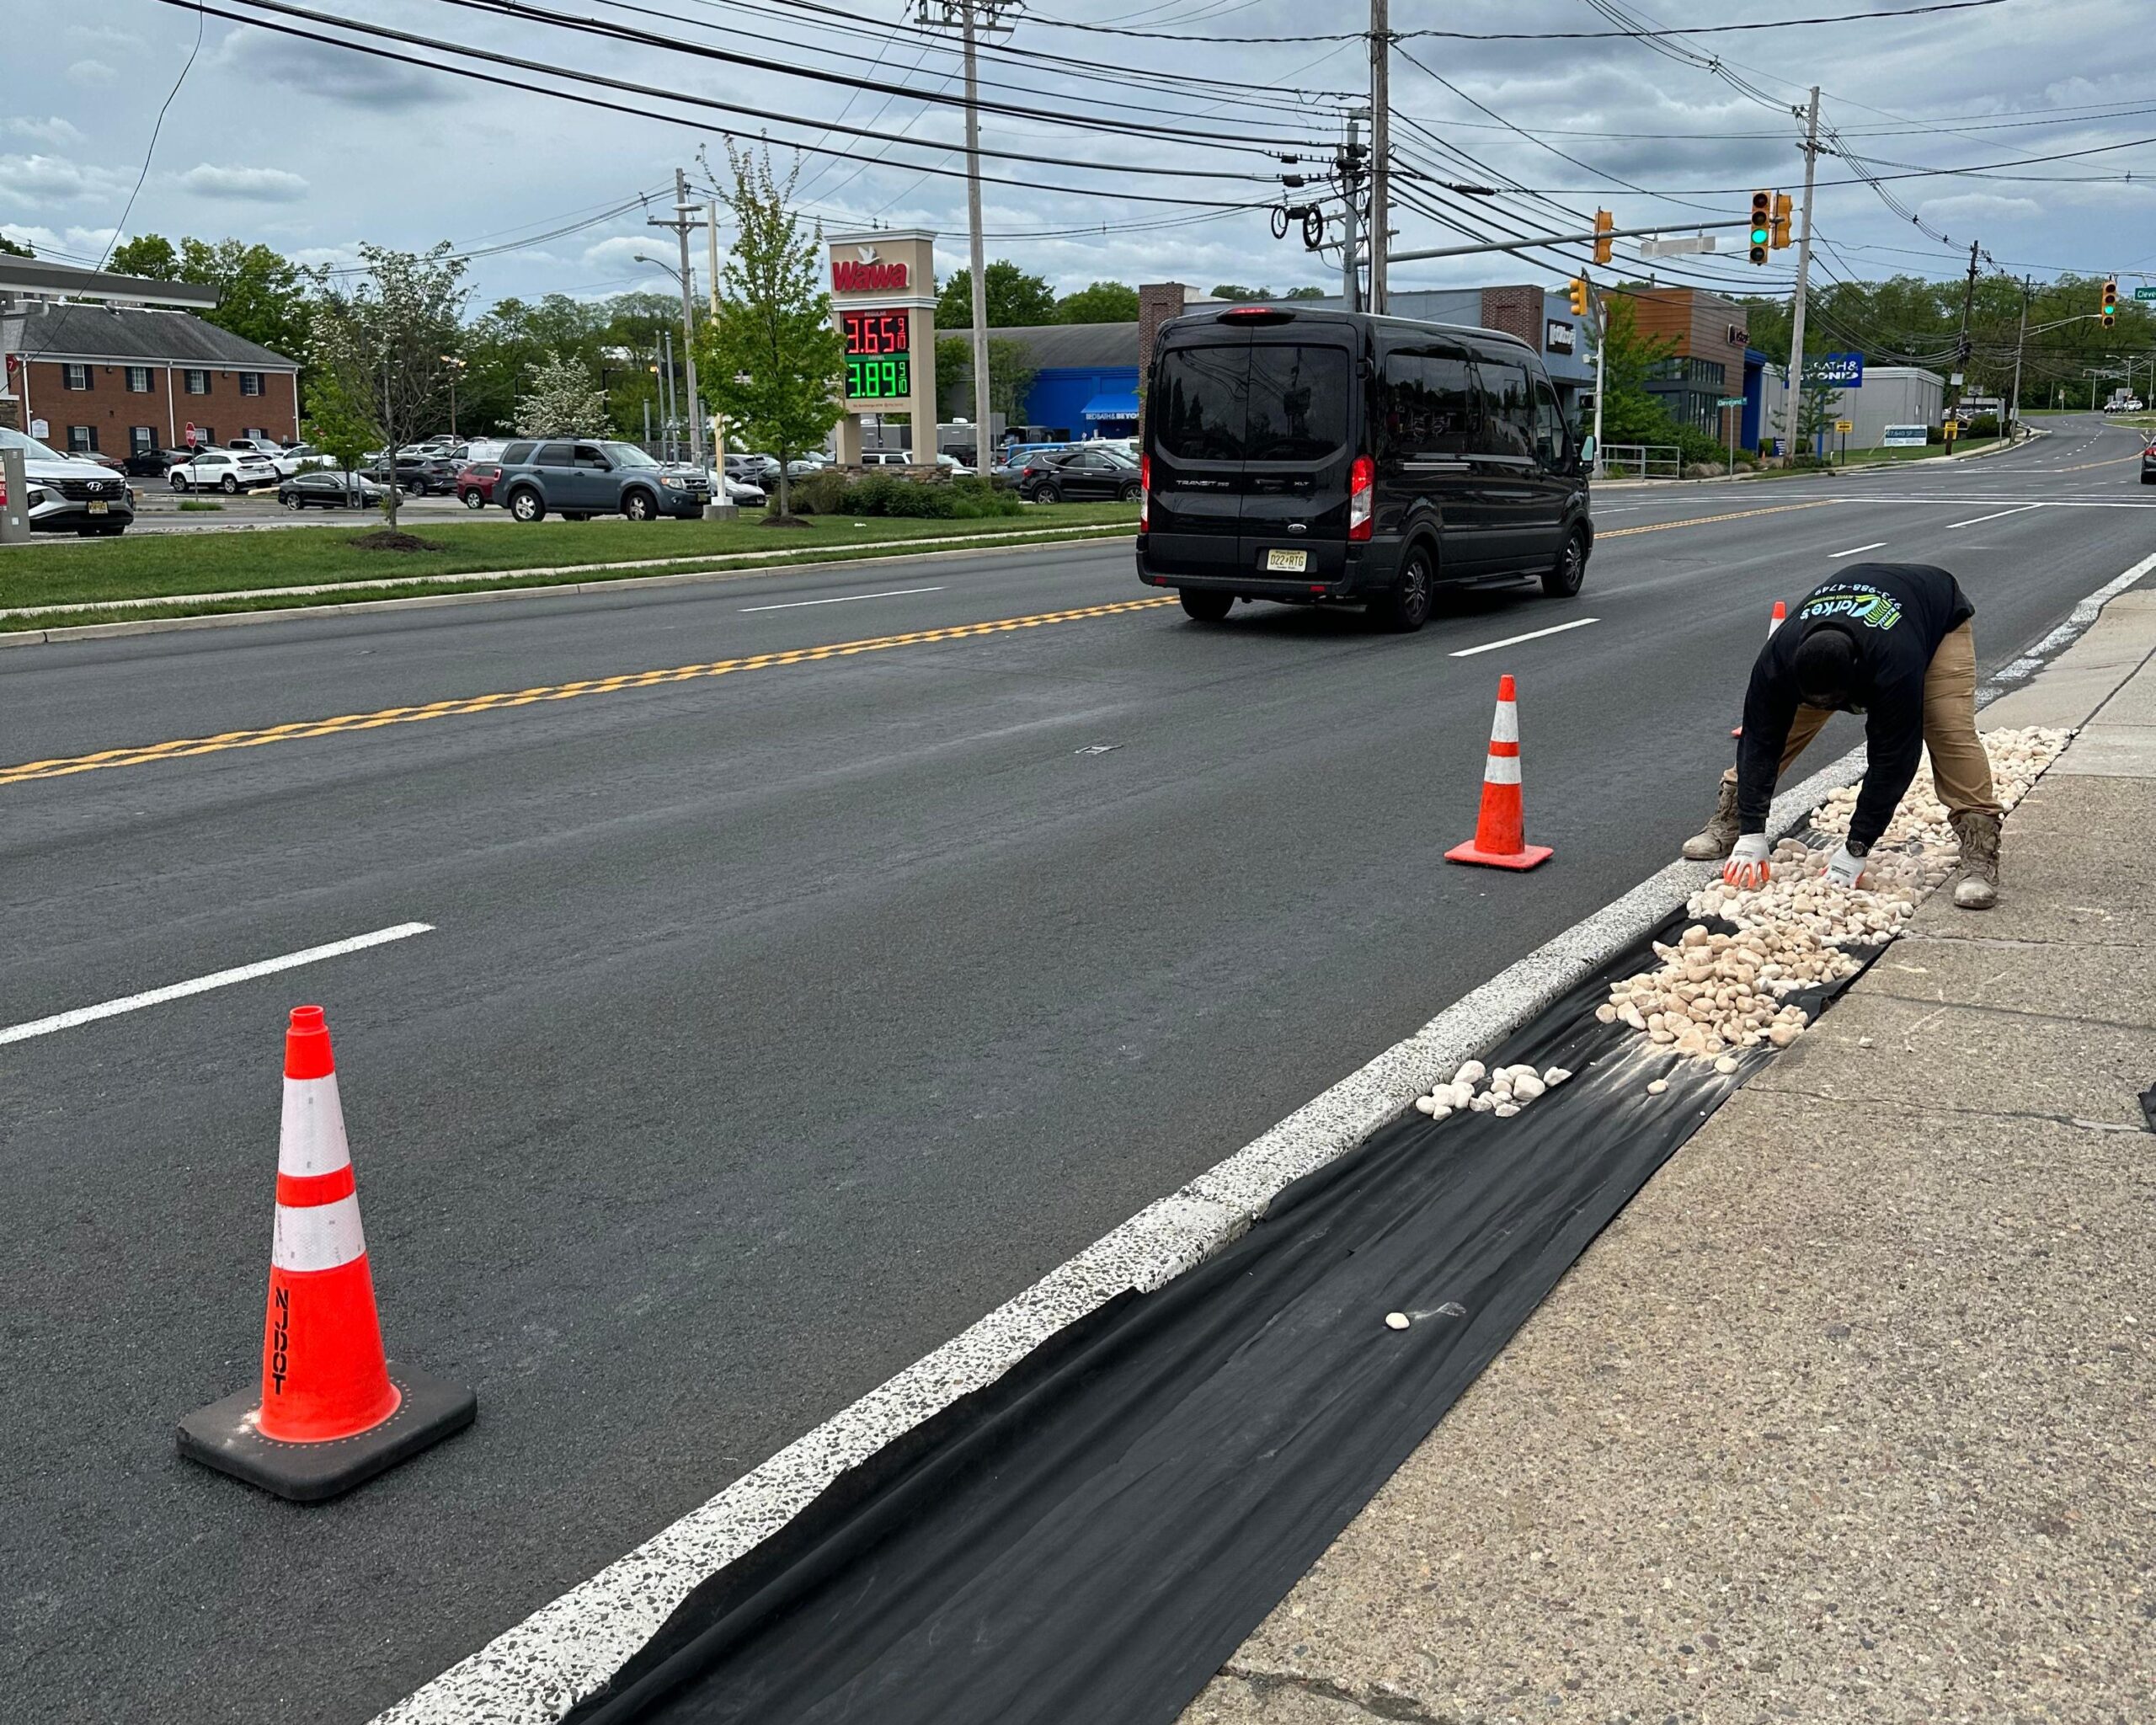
475 483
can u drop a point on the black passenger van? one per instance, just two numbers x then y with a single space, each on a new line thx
1315 456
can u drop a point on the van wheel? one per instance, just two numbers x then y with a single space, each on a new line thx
1207 607
1563 580
1406 608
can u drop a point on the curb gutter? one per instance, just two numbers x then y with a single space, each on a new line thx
534 1672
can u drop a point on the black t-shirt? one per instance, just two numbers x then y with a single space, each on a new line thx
1897 614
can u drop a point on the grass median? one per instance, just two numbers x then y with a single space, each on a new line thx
186 567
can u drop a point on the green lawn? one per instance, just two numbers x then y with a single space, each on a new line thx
147 565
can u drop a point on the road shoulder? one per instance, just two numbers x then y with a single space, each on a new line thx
1844 1414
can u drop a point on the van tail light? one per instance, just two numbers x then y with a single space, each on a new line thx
1362 492
1144 491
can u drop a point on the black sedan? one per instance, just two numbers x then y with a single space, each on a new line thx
153 463
421 476
321 488
1057 474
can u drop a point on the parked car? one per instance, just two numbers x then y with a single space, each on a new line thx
951 464
742 494
475 483
153 463
417 474
886 458
323 488
1082 471
261 446
230 471
1320 455
67 495
301 457
756 469
579 477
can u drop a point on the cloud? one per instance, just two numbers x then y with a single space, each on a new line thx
1972 206
620 252
56 132
92 74
354 79
104 36
35 180
264 185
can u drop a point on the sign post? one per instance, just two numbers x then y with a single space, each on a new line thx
1843 427
14 498
1725 404
883 300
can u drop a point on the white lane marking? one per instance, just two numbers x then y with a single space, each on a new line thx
1996 515
534 1672
843 599
1531 635
203 985
1853 549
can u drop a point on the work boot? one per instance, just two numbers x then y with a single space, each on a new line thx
1977 886
1718 837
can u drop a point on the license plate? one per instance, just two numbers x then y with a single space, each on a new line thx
1293 563
98 508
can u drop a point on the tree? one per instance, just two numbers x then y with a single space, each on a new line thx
262 296
772 360
1104 302
1818 406
1306 293
149 255
562 402
1629 413
340 420
384 336
8 248
1014 299
502 347
1235 291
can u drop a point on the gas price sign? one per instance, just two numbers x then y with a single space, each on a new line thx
878 354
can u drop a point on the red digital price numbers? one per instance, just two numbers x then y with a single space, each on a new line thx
874 333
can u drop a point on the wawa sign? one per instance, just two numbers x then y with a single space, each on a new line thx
865 272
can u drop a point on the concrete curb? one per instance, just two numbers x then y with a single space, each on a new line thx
534 1672
880 551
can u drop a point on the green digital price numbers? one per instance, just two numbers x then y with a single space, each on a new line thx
878 357
868 378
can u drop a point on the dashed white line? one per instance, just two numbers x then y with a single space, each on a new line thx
203 985
1995 516
1531 635
1853 549
842 599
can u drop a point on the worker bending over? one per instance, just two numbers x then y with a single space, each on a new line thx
1891 641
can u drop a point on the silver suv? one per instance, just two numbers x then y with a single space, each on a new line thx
69 496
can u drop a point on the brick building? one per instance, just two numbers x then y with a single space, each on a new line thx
1708 362
132 369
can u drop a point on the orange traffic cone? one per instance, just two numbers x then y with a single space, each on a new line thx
330 1412
1501 832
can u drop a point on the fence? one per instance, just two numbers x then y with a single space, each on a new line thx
1641 461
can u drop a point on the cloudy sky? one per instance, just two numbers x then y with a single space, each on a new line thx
1138 139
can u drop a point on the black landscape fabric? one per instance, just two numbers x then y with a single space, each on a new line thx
1091 1536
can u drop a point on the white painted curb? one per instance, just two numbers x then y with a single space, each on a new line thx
534 1673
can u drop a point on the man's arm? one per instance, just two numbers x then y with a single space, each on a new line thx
1893 737
1770 706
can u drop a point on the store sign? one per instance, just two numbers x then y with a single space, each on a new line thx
1557 337
867 273
1906 437
1838 370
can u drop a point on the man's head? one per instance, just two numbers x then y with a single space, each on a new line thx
1827 670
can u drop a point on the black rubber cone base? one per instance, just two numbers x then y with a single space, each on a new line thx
223 1436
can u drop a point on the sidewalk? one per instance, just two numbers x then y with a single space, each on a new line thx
1852 1414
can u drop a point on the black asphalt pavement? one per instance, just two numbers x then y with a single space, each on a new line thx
775 1024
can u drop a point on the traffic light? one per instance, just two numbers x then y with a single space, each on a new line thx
1781 220
1579 296
2110 302
1603 222
1763 225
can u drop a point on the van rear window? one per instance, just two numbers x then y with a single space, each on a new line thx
1265 403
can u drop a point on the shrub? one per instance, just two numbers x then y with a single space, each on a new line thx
886 495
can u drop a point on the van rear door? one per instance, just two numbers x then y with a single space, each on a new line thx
1195 426
1297 455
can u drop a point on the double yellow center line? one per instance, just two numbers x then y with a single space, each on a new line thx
183 748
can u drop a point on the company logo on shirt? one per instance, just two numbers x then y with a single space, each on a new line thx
1858 601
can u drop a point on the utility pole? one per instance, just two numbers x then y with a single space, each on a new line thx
1350 177
961 13
681 224
1380 151
1961 347
2022 335
666 387
1795 403
1601 375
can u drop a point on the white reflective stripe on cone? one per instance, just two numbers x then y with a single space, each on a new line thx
1502 770
1506 728
312 1140
318 1236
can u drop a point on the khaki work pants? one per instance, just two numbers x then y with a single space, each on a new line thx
1960 768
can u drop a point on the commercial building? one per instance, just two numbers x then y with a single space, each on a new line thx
113 364
1709 337
1890 395
1085 378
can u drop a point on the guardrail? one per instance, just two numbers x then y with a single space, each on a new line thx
1641 461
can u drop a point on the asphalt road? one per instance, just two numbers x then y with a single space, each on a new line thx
777 1022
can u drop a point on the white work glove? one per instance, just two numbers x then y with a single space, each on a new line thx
1845 867
1747 868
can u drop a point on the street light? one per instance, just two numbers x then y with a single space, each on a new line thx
455 366
685 278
